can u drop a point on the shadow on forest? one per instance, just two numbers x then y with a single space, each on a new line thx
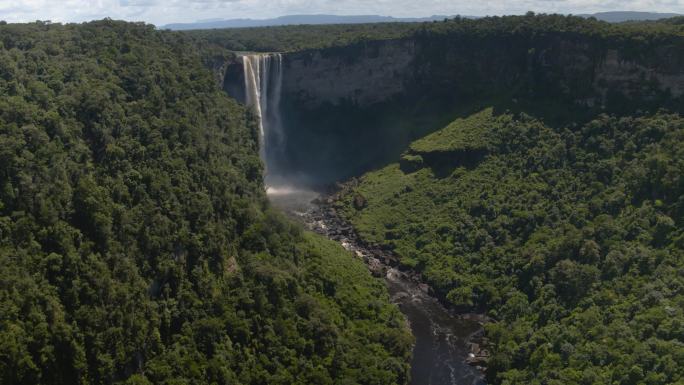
332 143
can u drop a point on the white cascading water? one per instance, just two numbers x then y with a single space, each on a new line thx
263 84
263 87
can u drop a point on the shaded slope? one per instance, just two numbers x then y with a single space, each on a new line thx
571 238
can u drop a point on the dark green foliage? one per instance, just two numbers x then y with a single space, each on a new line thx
571 237
297 38
136 242
303 37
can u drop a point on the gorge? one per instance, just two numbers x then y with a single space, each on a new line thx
161 220
442 337
354 108
348 109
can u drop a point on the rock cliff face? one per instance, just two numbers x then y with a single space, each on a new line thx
373 72
362 74
348 109
631 77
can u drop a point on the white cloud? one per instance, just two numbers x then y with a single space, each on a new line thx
161 12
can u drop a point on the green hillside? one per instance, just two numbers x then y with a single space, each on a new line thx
570 237
313 37
137 245
136 242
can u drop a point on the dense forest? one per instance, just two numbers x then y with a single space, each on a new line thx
571 237
297 38
304 37
136 242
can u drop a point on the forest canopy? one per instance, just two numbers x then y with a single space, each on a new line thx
136 242
137 245
305 37
572 238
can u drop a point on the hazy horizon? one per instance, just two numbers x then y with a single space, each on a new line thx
160 12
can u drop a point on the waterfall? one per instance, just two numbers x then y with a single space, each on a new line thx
263 85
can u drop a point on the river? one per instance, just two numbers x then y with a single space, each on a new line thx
442 338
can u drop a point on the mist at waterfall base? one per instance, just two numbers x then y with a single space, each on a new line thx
440 349
263 73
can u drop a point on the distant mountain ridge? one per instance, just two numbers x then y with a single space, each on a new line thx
622 16
611 17
298 19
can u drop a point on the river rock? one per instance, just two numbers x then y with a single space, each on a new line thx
376 267
477 360
400 296
424 287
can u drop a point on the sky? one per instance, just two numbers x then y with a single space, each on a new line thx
161 12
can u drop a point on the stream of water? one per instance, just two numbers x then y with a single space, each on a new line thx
441 349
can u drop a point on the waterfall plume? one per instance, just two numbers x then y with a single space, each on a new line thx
263 84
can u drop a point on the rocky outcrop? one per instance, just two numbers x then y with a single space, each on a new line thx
359 201
409 163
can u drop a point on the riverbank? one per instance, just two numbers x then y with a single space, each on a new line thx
450 347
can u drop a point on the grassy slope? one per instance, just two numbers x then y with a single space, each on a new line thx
572 239
461 135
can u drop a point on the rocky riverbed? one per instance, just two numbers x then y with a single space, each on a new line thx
450 348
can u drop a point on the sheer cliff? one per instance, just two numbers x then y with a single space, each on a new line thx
357 106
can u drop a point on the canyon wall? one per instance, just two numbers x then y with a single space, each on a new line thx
352 108
363 74
574 68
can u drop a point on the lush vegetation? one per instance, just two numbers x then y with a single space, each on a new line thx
303 37
565 226
137 245
298 38
136 242
572 237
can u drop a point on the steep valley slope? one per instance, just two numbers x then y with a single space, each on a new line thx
572 239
